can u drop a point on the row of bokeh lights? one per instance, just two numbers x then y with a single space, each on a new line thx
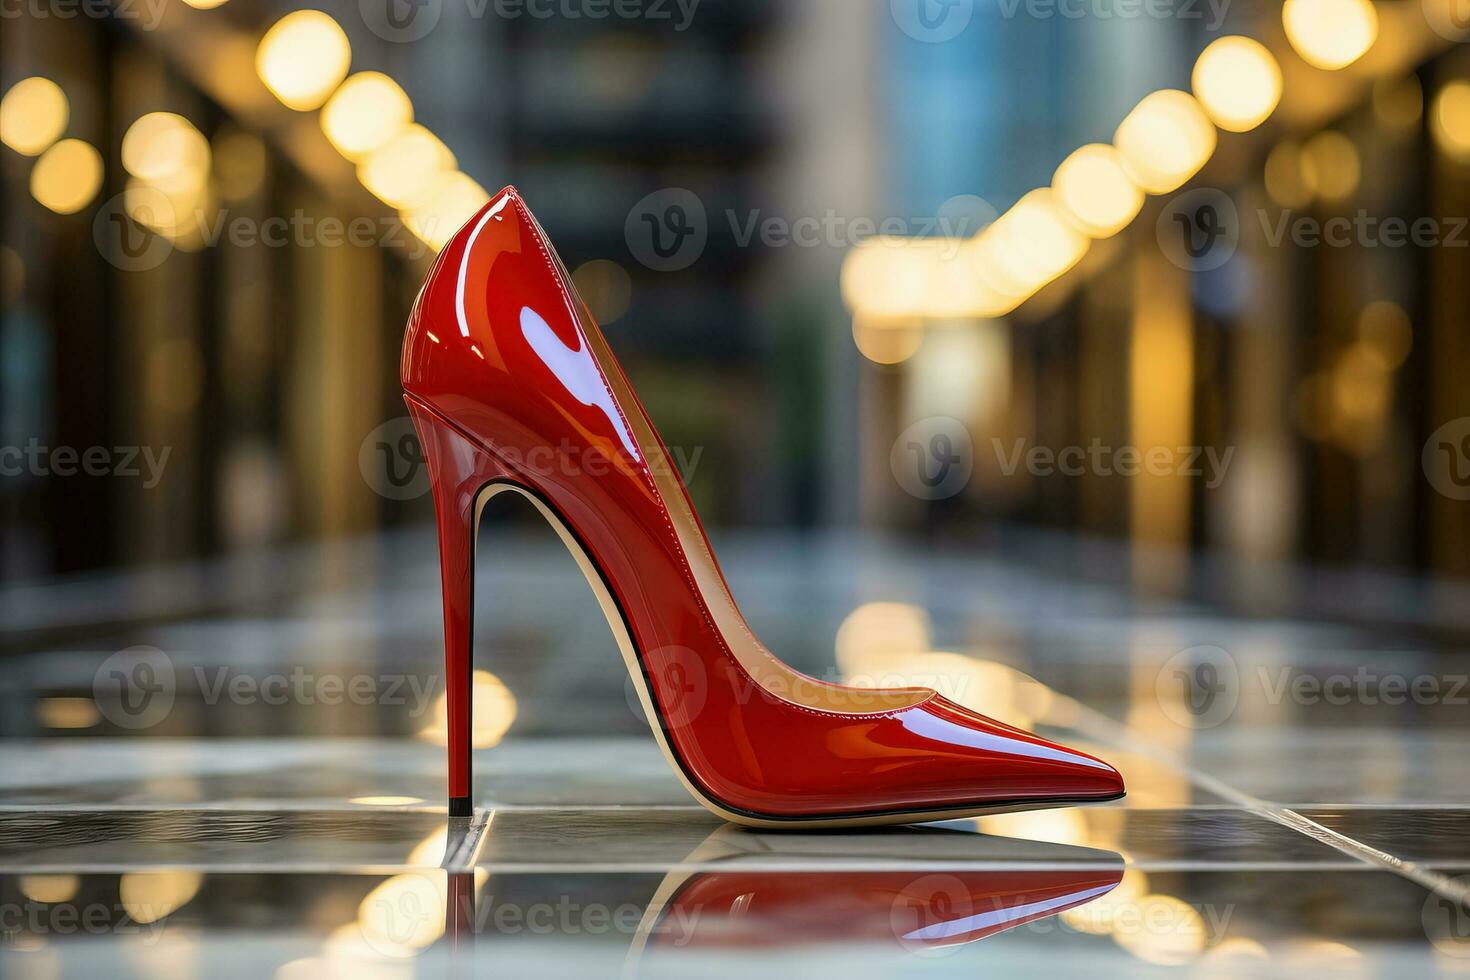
892 284
303 59
34 115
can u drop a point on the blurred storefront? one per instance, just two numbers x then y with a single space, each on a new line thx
247 340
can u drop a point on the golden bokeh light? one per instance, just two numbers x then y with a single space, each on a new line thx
492 711
50 888
302 58
954 290
429 852
33 115
1095 191
240 163
402 916
606 287
1237 950
1238 82
883 277
1398 102
179 215
405 171
888 278
1330 166
1030 245
1384 328
990 688
305 968
1161 929
367 111
1102 915
67 176
150 896
1165 140
1053 826
1284 181
1361 393
205 4
347 952
887 341
453 201
888 645
67 712
1330 34
1450 120
880 629
404 913
1360 386
150 207
166 151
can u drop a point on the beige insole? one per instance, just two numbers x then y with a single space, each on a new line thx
764 667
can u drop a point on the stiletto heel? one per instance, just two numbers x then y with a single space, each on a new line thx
458 471
512 386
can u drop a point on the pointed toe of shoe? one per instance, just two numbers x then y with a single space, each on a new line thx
994 764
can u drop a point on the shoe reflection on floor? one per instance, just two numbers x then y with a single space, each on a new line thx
746 907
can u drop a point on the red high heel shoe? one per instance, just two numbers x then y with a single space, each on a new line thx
513 388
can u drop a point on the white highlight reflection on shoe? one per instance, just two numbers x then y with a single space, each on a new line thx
464 262
576 370
1004 917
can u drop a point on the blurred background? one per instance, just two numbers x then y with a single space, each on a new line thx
1098 362
217 214
1163 296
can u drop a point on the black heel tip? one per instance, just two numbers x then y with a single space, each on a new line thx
459 806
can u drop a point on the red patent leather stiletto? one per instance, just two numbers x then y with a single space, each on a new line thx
513 389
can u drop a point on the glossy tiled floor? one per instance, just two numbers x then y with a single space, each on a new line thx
271 808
